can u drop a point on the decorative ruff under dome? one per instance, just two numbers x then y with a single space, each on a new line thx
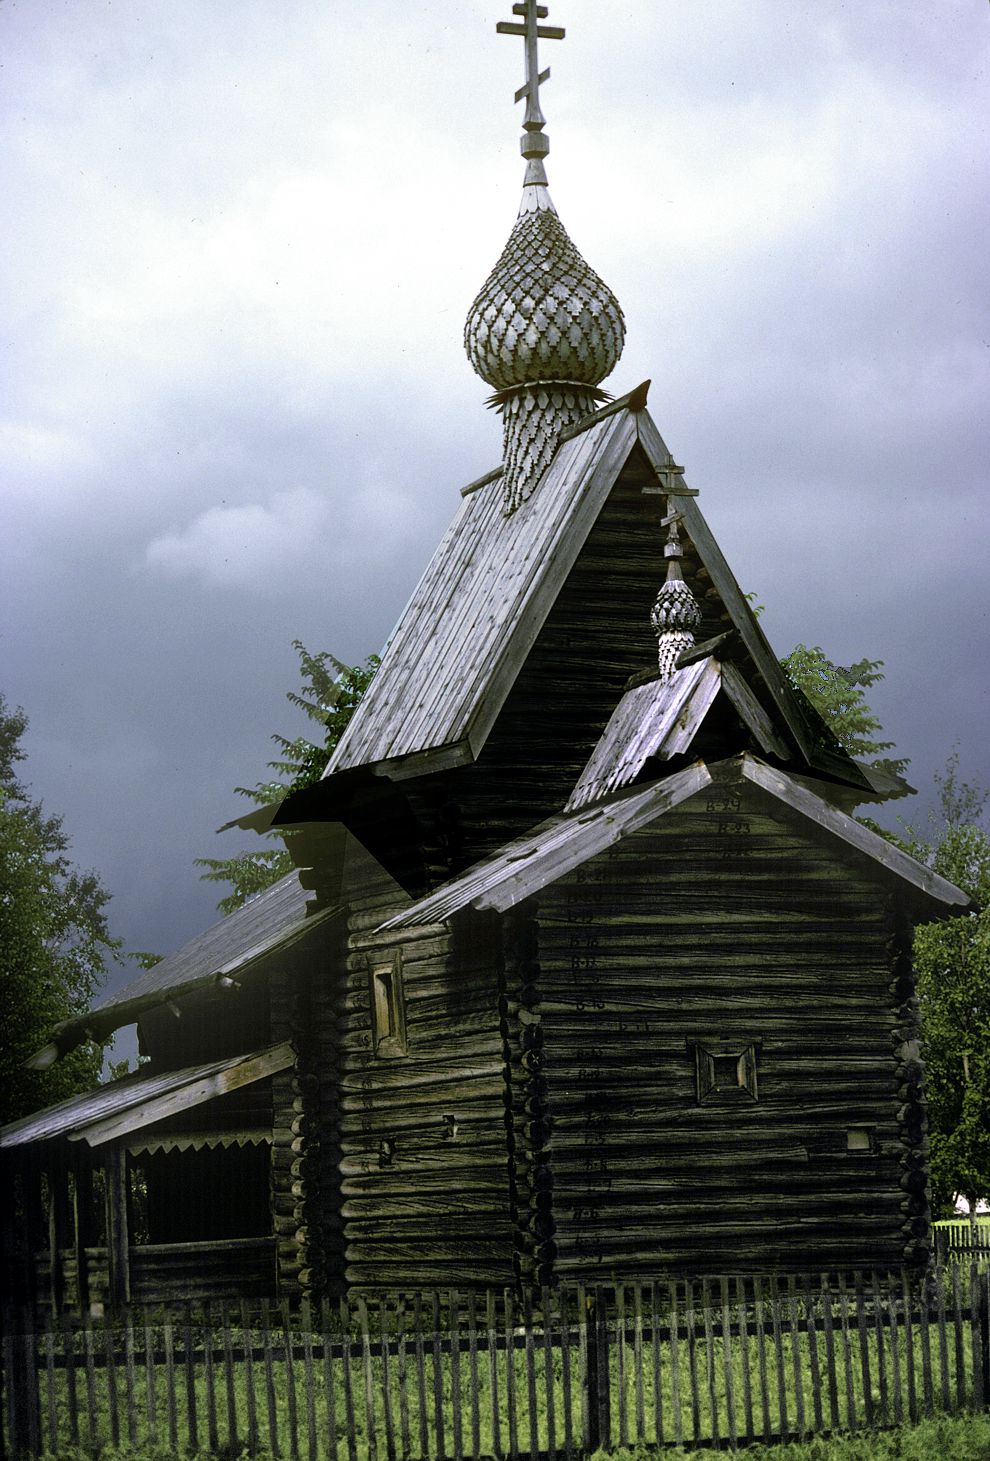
544 329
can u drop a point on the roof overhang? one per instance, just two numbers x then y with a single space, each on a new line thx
117 1110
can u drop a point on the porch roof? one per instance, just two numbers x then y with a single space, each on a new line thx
142 1098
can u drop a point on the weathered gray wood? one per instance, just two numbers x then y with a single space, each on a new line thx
776 1309
761 1356
958 1327
118 1234
728 1382
130 1379
847 1362
710 1373
457 1414
209 1378
742 1321
371 1423
250 1399
495 1416
794 1326
812 1331
752 712
510 1374
895 1350
269 1367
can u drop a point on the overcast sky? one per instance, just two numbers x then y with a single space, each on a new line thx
239 243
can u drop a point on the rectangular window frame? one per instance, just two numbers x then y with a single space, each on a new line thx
388 1009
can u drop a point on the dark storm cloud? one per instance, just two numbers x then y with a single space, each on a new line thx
239 248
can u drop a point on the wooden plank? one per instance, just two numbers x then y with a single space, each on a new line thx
118 1234
291 1397
402 1371
130 1379
230 1392
347 1378
548 1381
692 1360
813 1364
778 1352
168 1346
638 1362
847 1363
209 1378
48 1342
387 1412
453 1330
274 1444
437 1357
529 1353
864 1349
584 1372
943 1340
912 1391
958 1328
71 1389
727 1376
510 1374
713 1407
928 1397
495 1413
250 1401
309 1379
761 1356
622 1364
89 1360
895 1351
473 1376
371 1425
742 1321
675 1366
979 1323
424 1431
189 1370
564 1316
794 1327
655 1354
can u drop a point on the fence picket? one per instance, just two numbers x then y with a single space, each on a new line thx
386 1381
804 1328
473 1372
825 1291
206 1323
266 1340
329 1388
912 1391
895 1351
742 1320
794 1330
496 1414
369 1387
549 1405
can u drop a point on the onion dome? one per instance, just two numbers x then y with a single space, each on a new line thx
676 614
544 330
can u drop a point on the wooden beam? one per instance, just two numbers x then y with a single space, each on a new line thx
634 401
58 1226
83 1224
752 713
118 1227
421 763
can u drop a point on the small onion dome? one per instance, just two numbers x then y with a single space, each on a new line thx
543 315
675 617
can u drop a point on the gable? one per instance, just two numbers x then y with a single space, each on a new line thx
565 843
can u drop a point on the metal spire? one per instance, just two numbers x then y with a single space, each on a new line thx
533 145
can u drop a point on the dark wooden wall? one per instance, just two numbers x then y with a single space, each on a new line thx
723 923
424 1168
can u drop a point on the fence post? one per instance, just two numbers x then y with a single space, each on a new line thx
599 1399
21 1384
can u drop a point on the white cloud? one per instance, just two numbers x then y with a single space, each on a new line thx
250 546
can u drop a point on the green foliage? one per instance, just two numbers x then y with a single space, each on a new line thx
941 1438
330 694
837 692
952 960
54 939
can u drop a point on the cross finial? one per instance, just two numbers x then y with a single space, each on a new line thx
533 144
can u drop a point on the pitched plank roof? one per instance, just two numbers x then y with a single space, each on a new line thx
271 920
479 606
142 1098
562 844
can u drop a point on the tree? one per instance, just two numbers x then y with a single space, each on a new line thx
54 939
330 694
837 692
952 961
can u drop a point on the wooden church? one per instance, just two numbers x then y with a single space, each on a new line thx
587 971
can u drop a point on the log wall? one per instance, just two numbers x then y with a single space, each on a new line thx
722 927
424 1179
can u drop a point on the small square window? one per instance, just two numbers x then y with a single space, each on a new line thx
388 1016
859 1139
725 1073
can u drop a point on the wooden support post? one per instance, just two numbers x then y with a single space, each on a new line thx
58 1227
83 1229
22 1393
118 1234
599 1411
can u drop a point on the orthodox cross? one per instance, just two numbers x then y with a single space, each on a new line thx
532 31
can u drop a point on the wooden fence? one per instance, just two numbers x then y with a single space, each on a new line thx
554 1374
